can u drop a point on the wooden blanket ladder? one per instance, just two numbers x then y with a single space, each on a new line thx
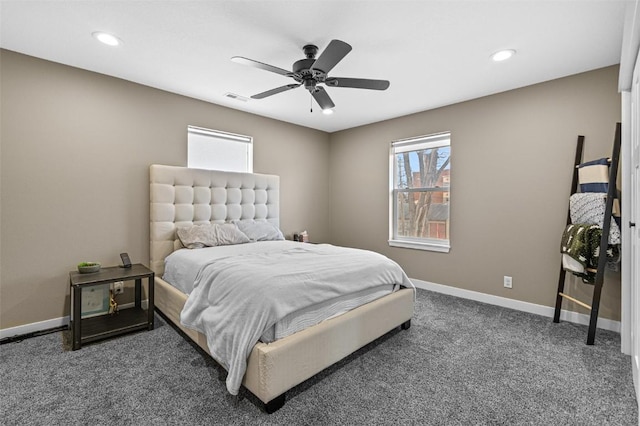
604 239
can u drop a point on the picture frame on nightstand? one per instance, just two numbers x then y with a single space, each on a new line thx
95 301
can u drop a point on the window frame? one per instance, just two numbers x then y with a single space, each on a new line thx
218 135
408 145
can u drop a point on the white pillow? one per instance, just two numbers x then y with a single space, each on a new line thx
259 230
210 235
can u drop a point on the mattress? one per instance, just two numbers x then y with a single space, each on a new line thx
183 266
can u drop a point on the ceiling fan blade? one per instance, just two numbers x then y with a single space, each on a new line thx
275 91
262 66
335 51
322 98
357 83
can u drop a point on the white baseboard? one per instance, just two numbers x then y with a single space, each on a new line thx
34 327
547 311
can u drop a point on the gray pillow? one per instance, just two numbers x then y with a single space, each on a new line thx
259 230
211 235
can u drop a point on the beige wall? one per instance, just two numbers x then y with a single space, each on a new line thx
76 146
512 158
75 152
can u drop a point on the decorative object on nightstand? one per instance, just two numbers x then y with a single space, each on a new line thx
95 301
85 329
126 262
88 267
302 237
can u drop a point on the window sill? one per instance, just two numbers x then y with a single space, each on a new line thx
442 247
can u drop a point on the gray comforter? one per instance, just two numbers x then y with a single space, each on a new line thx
235 299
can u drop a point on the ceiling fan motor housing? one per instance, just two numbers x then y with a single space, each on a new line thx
303 73
303 66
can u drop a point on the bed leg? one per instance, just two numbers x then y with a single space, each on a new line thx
222 374
406 325
275 404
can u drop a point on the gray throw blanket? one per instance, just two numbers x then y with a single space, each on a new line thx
588 208
235 299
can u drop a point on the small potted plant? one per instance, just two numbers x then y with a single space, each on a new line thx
88 267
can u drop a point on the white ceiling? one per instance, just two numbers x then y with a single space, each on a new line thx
434 53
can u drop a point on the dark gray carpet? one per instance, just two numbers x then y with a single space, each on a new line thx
461 363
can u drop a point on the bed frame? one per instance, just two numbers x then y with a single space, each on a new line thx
181 197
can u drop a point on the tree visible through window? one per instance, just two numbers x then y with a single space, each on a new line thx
421 170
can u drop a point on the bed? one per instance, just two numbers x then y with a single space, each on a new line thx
182 197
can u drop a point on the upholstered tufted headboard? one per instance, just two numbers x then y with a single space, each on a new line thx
181 197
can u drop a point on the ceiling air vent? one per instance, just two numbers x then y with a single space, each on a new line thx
236 97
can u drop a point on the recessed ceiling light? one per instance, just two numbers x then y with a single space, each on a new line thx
503 55
327 111
106 38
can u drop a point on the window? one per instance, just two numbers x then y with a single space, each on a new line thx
420 192
214 150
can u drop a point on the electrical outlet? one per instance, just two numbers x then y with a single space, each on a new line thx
118 287
508 282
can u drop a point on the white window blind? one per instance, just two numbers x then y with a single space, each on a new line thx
216 150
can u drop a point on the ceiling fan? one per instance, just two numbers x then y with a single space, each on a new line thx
312 72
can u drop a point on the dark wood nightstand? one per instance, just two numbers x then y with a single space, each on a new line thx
84 330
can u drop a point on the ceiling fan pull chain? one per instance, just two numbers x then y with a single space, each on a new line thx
310 103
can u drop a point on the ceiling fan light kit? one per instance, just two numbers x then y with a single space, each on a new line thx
311 72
